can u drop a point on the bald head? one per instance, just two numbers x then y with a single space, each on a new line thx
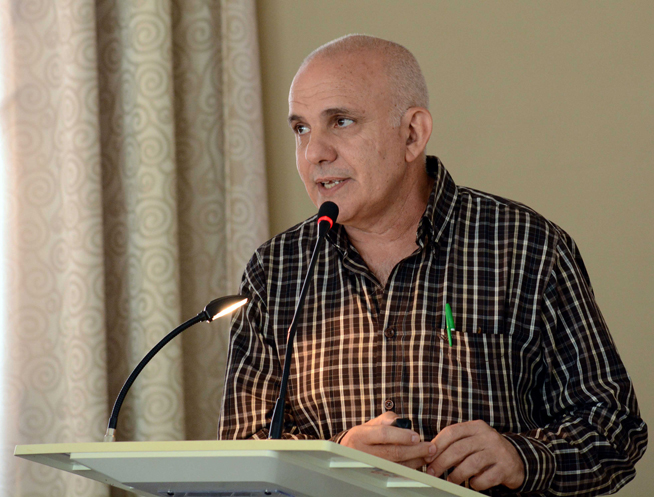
406 83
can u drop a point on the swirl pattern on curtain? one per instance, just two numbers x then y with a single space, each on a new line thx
137 195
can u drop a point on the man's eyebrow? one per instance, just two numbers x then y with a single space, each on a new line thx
293 118
334 111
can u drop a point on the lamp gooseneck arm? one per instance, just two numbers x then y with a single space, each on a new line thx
113 420
216 308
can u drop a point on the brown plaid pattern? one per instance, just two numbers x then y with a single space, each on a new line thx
531 356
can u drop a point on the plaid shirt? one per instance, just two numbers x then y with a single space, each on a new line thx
532 355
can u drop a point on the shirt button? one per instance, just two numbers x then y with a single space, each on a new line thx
389 404
389 332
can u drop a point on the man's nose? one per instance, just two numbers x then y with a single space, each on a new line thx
320 149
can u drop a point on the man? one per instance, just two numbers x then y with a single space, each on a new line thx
530 396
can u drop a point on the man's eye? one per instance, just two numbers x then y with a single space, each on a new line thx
342 122
301 129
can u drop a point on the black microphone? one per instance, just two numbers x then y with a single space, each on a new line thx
213 310
327 215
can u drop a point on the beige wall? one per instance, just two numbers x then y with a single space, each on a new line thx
549 103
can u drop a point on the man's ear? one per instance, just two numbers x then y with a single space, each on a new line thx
418 123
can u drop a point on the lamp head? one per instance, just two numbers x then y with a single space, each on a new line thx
223 306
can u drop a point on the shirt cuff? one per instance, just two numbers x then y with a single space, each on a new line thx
539 461
338 437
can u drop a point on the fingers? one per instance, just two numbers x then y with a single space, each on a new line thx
452 456
413 456
454 433
379 438
381 434
451 446
489 478
413 463
474 465
383 419
379 431
482 470
475 450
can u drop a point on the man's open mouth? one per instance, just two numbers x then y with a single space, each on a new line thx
331 184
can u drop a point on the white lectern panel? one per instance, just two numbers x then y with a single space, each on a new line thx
243 468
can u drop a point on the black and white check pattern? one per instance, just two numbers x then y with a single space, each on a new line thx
531 356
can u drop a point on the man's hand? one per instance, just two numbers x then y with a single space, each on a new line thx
478 452
379 438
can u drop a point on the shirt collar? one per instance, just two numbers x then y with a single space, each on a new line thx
440 207
436 218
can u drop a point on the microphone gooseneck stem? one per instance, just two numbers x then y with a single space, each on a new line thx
113 420
277 422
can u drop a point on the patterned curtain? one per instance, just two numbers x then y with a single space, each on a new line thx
136 195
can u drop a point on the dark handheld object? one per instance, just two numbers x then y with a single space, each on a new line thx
214 309
402 423
327 215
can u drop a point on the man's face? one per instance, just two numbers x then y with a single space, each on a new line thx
346 145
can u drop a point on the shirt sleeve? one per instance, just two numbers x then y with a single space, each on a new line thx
254 369
593 433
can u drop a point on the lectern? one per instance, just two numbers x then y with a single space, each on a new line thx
242 468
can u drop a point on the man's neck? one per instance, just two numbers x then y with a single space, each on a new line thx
393 238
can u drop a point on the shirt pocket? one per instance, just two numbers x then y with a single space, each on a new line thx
472 379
